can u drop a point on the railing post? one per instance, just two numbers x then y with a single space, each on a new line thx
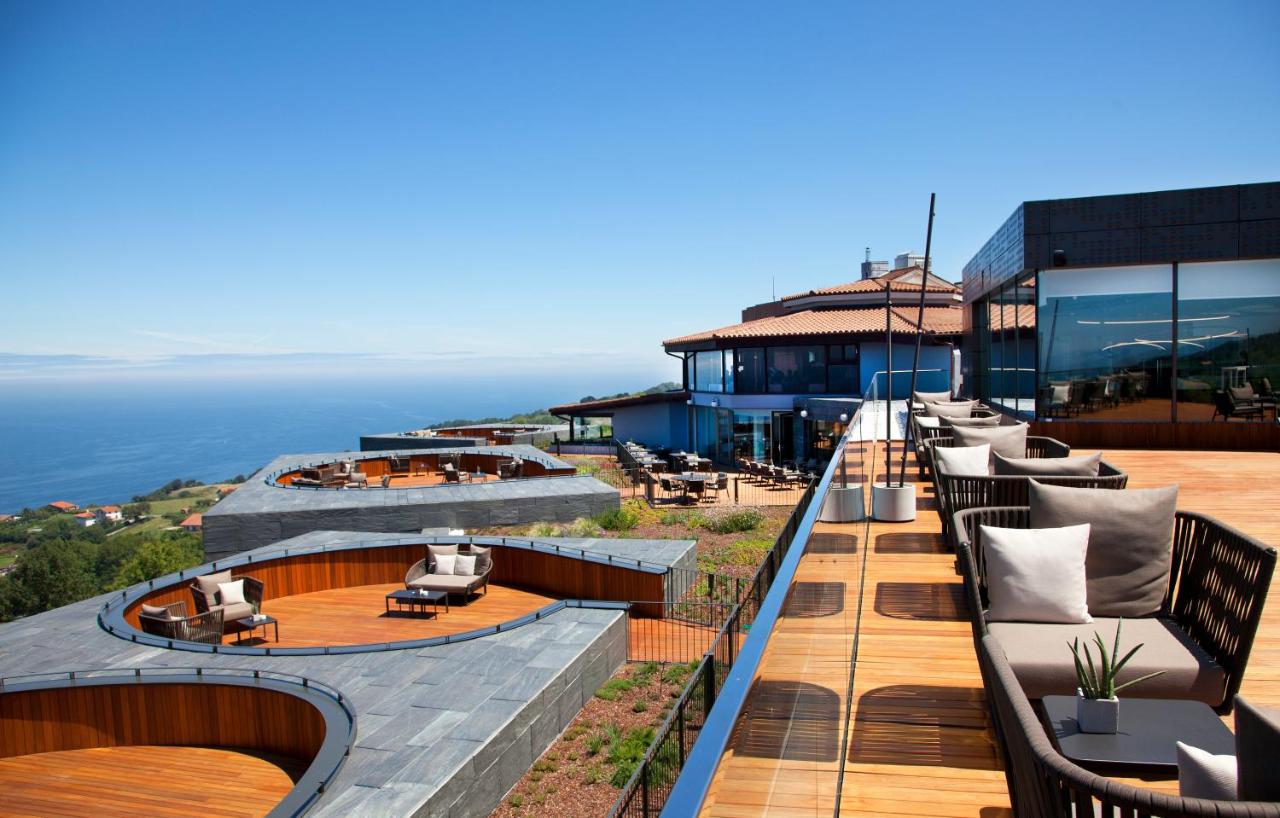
709 681
644 789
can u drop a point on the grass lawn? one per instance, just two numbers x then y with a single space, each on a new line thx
183 498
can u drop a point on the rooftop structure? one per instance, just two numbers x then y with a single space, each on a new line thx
401 491
63 505
479 434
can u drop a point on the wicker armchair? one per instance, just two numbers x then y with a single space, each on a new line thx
1044 784
1218 583
1036 447
205 626
957 492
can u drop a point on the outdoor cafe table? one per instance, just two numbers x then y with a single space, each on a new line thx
692 477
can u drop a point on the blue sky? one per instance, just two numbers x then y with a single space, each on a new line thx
528 186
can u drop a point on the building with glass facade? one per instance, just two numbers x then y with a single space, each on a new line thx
774 386
1153 310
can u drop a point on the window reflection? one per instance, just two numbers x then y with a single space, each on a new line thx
797 369
1228 339
1106 340
708 371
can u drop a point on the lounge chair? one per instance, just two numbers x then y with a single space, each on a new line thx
1043 783
1204 630
172 622
1226 404
421 574
205 593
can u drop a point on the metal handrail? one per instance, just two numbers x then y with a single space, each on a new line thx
691 787
545 459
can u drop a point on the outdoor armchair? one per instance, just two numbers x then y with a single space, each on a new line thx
421 575
1218 583
205 627
206 598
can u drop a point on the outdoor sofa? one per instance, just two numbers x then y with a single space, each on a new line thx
422 574
1200 636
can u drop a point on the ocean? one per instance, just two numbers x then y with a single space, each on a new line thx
106 442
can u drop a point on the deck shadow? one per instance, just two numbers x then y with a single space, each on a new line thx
815 599
789 721
832 544
923 725
927 601
909 542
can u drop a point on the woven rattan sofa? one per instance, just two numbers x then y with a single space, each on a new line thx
1218 584
422 576
174 623
207 600
1044 784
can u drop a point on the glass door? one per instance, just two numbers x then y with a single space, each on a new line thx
724 436
783 448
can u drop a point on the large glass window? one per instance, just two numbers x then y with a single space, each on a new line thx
1106 340
1228 335
708 371
751 434
798 370
749 375
842 370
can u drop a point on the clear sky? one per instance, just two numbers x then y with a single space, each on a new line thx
454 185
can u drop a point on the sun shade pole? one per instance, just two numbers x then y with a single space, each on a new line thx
888 376
915 364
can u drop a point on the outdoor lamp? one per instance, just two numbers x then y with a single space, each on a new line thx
844 417
804 413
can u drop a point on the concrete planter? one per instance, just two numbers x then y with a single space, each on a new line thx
844 505
893 504
1097 715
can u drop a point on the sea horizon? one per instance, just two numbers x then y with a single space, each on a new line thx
100 442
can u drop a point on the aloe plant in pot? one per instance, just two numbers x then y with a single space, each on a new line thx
1097 706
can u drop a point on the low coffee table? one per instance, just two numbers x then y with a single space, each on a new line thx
1145 742
250 624
416 599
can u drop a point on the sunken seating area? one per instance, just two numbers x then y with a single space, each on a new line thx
1196 606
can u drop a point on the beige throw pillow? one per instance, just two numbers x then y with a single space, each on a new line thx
445 563
465 566
209 583
1036 574
1202 774
992 420
962 460
950 410
1130 546
931 397
230 593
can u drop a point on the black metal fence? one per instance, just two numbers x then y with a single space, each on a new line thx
647 791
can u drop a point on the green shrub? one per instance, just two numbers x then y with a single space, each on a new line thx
595 744
543 530
515 801
678 674
545 765
732 521
594 775
623 518
626 755
589 467
613 689
639 706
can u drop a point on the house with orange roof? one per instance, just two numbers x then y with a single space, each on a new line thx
109 514
778 385
87 518
194 523
63 505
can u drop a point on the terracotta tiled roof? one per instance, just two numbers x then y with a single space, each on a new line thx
193 520
856 321
877 285
63 505
110 509
86 515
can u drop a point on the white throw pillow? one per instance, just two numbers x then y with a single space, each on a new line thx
229 593
1036 574
963 460
1202 774
445 563
926 422
465 566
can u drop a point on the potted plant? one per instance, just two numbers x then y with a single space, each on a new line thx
257 612
1097 706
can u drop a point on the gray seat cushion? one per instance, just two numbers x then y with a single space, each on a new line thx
992 420
1085 465
1130 542
1010 441
484 559
1257 751
443 582
952 410
1040 656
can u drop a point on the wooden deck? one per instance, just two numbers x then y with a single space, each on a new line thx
155 781
352 616
920 743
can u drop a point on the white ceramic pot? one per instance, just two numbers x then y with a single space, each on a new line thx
844 505
1097 715
893 504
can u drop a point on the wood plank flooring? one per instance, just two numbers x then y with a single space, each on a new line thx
158 782
353 616
920 743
